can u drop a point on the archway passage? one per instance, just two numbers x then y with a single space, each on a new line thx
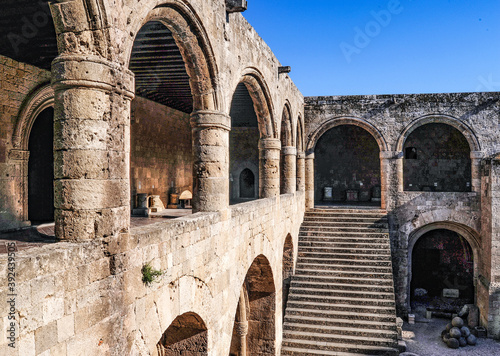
247 184
347 166
437 158
41 168
243 147
187 335
442 271
161 161
254 328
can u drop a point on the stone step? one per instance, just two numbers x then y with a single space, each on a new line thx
344 285
344 261
329 229
345 323
330 276
345 218
291 336
346 211
326 246
324 306
360 330
366 316
335 223
348 254
303 348
330 280
333 269
333 226
345 298
342 235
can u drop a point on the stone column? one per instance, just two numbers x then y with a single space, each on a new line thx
242 332
269 167
309 173
289 156
475 165
386 159
91 147
301 173
210 160
399 172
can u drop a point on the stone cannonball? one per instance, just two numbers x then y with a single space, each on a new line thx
457 321
455 333
462 342
448 326
453 343
471 340
465 331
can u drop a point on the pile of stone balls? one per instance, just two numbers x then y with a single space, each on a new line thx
457 335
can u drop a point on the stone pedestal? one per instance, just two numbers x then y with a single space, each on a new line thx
289 180
269 167
91 147
211 160
309 170
301 179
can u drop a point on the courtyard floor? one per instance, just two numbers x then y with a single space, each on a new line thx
424 339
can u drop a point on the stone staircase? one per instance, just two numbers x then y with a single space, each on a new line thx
341 299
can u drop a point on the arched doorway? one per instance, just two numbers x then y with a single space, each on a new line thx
436 158
347 167
254 328
186 335
442 271
243 146
41 168
247 184
161 160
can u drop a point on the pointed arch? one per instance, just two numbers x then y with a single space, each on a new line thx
439 119
337 121
286 135
194 45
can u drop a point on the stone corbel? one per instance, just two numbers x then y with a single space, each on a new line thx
236 5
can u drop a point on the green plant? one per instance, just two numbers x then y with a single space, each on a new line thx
149 274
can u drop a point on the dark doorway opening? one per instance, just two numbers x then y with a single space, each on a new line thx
247 184
41 169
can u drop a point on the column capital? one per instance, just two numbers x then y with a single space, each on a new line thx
242 328
309 155
210 119
93 72
289 150
301 155
269 144
476 154
391 155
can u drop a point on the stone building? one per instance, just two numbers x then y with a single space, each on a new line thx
103 101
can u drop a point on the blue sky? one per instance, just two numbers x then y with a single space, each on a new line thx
348 47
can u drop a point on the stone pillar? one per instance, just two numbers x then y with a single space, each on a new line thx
269 167
399 172
386 160
91 147
289 156
309 173
301 173
210 160
242 332
475 165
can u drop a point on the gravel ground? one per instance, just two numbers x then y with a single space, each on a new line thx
424 339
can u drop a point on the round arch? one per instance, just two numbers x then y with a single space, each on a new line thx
300 134
261 98
468 233
39 100
439 119
337 121
194 45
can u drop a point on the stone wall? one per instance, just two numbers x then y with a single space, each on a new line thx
161 159
18 80
391 119
89 298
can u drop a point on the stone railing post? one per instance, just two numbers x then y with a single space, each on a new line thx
269 167
301 173
309 173
91 147
210 160
475 165
289 155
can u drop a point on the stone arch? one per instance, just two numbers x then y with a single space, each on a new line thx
337 121
186 334
468 233
260 94
466 131
193 42
299 140
39 100
288 267
286 135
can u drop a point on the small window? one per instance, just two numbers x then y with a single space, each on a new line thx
411 153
